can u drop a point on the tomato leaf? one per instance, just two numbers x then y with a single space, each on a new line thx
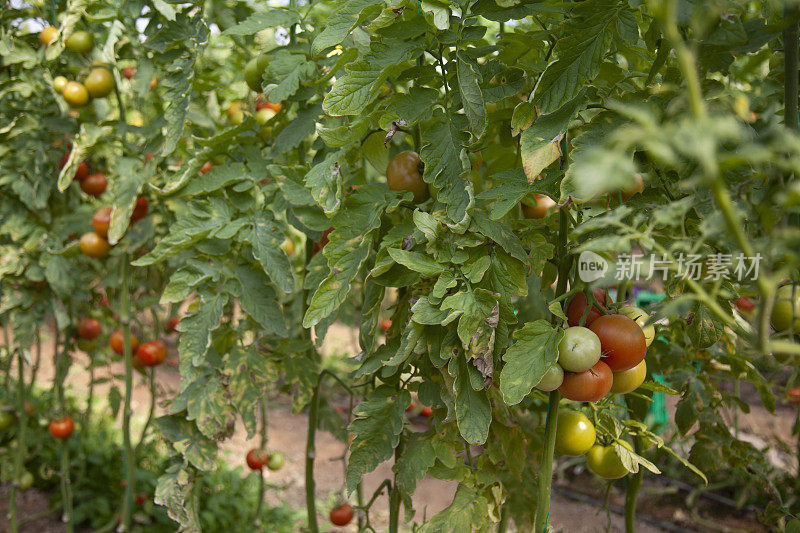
535 349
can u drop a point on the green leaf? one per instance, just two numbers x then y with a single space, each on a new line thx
473 410
266 238
196 327
417 262
499 233
468 511
347 16
418 456
259 299
325 182
303 125
88 135
471 96
292 70
261 21
534 351
126 183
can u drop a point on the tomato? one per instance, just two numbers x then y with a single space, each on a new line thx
578 350
577 306
604 461
575 433
75 94
48 35
426 411
153 82
235 113
386 323
636 187
141 498
341 515
6 420
117 344
93 245
101 221
744 304
61 429
622 341
552 379
254 71
99 82
786 312
264 115
287 246
30 410
794 395
629 380
89 328
206 168
172 325
59 82
261 103
275 461
25 480
80 173
403 174
152 353
129 72
80 42
256 459
641 318
94 184
540 210
589 386
140 210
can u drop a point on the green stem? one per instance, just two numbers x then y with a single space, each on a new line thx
311 504
502 527
686 61
394 495
260 502
790 41
127 450
546 468
66 492
151 410
634 483
19 465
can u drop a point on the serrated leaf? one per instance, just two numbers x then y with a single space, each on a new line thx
534 351
417 262
261 21
324 180
473 410
266 239
259 300
471 95
347 16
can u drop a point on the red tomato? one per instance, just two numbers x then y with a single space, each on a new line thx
89 328
141 498
410 407
152 353
172 325
341 515
589 386
794 395
426 411
129 72
577 306
94 184
117 344
207 166
386 324
61 429
140 210
80 173
256 459
622 341
744 304
101 221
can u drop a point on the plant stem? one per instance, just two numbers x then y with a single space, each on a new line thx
23 422
311 504
260 502
504 516
790 65
634 483
546 468
66 493
394 494
127 451
686 61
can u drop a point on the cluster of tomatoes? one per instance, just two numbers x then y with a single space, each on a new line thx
257 459
576 436
151 353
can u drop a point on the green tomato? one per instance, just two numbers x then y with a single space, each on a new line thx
641 318
25 480
786 312
6 420
629 380
80 42
604 461
275 461
579 350
575 433
552 379
254 71
264 115
59 82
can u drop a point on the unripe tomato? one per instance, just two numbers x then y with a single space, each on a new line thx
6 420
75 94
129 72
61 429
604 461
140 210
101 221
341 515
622 341
275 461
93 245
589 386
403 174
254 71
629 380
59 82
552 379
540 209
152 353
256 459
264 115
794 395
80 42
235 114
786 312
635 188
25 480
577 306
641 318
287 246
116 341
94 184
575 433
386 323
48 35
206 168
89 328
579 349
172 325
99 82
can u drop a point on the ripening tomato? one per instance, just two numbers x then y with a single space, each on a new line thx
575 433
48 35
89 328
262 103
589 386
641 318
275 461
287 246
622 341
117 344
635 188
172 325
579 349
207 166
552 378
794 395
786 312
152 353
75 94
403 174
153 82
99 82
129 72
256 459
577 306
629 380
94 184
264 115
59 82
254 71
604 461
80 42
341 515
386 323
101 220
141 498
61 429
140 210
745 305
235 113
543 205
93 245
